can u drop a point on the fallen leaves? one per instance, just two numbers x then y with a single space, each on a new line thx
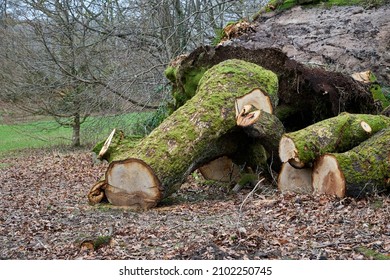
45 215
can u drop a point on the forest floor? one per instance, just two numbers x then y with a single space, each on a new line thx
45 215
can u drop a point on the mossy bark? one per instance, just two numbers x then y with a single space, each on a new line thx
337 134
267 130
119 144
204 128
360 171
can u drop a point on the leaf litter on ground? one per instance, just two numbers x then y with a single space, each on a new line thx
45 215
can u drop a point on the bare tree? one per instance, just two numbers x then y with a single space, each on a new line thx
71 58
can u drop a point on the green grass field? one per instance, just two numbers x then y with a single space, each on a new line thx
47 133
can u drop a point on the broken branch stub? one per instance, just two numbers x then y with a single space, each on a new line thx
106 144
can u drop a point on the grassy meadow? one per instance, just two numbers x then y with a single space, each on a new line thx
45 133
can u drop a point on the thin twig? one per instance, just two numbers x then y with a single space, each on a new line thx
246 198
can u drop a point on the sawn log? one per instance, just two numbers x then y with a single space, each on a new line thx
203 129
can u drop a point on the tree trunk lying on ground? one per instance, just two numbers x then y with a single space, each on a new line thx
337 134
364 169
201 130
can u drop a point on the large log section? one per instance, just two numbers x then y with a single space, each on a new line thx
360 171
203 129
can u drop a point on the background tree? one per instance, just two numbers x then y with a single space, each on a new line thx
72 58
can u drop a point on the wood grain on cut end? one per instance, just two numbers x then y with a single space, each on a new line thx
327 177
132 182
257 98
295 180
366 127
289 153
221 169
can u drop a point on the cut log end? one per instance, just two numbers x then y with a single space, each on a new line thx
221 169
328 178
256 98
289 153
132 182
248 117
295 180
366 127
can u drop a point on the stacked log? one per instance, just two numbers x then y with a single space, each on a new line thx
362 170
348 155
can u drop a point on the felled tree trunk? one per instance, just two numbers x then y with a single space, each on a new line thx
338 134
201 130
362 170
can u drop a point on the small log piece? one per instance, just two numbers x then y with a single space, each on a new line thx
222 169
337 134
362 170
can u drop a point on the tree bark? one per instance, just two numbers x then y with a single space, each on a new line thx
201 130
266 128
338 134
364 169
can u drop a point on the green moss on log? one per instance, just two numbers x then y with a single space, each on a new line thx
337 134
193 133
364 169
170 73
378 95
119 143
